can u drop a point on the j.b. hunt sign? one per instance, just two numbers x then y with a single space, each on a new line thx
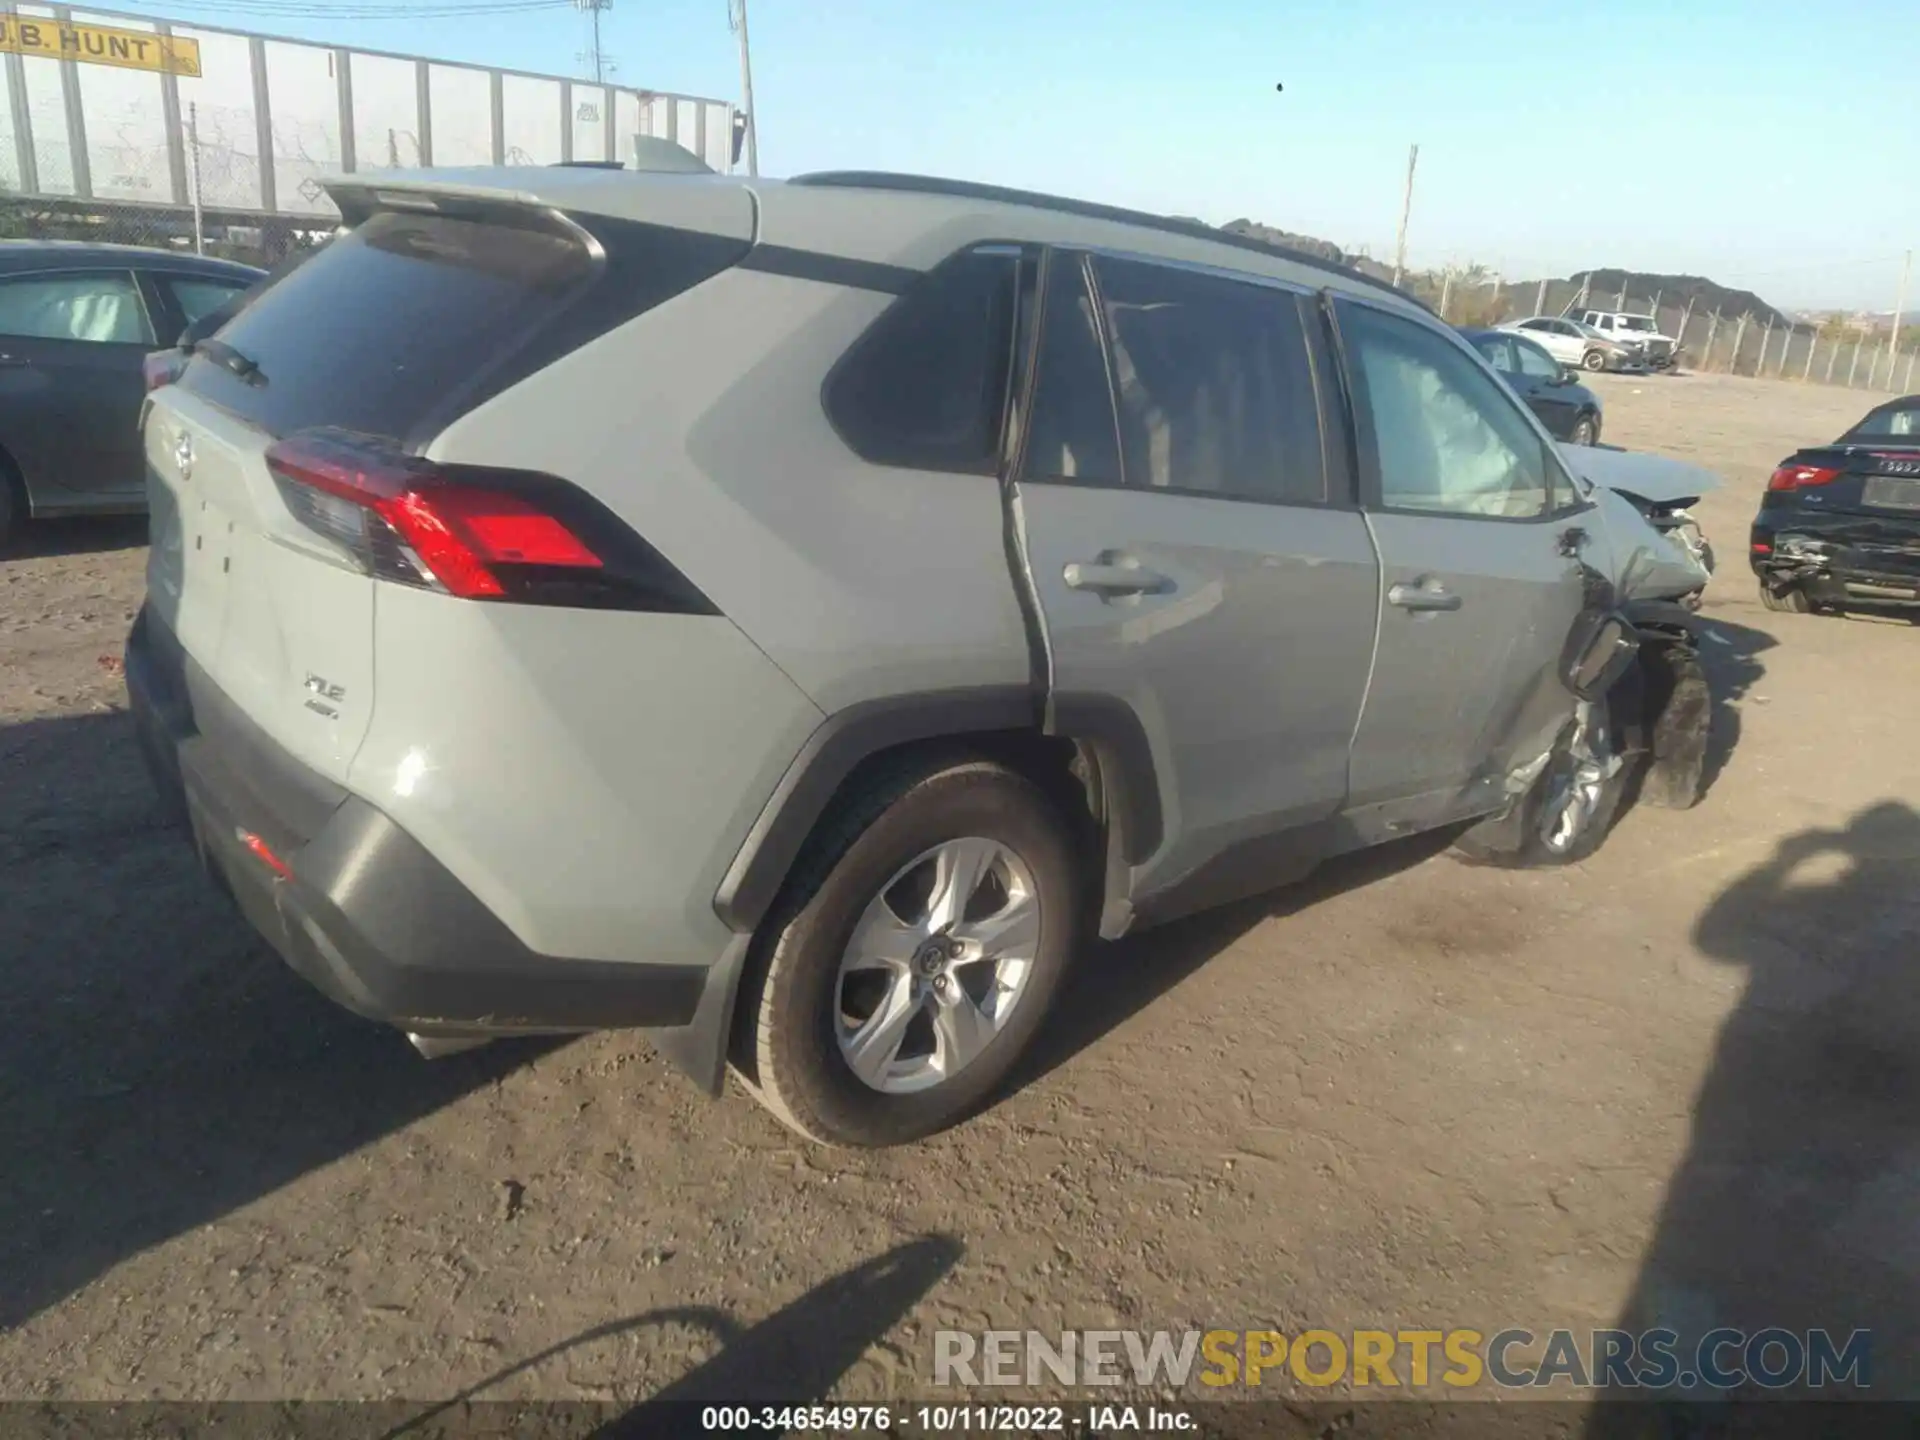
99 45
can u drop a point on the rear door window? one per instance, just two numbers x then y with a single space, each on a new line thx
1497 351
1073 434
1214 384
401 324
102 308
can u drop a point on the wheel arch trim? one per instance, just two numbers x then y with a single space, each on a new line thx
848 738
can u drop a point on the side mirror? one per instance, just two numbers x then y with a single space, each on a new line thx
1565 377
1599 649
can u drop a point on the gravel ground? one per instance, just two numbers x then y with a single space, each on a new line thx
1682 1080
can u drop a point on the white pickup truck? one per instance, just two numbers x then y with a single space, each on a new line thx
1637 332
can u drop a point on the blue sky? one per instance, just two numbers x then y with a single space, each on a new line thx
1766 143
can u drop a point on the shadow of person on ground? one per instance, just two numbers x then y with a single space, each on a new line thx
159 1067
1731 654
794 1357
1798 1202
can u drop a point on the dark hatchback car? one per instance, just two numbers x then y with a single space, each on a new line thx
1839 524
1566 407
76 322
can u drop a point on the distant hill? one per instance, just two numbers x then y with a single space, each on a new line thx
1707 295
1307 245
1286 239
1603 285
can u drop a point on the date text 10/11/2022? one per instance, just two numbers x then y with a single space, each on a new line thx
943 1419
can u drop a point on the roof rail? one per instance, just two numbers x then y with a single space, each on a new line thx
1088 209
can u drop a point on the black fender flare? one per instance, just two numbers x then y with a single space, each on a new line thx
1130 802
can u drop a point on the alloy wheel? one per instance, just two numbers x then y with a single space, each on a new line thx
936 964
1577 786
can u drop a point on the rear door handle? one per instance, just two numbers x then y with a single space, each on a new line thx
1105 578
1427 595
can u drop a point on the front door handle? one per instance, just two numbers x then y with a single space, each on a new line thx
1427 595
14 361
1105 578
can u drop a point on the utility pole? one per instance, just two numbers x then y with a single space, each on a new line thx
737 18
1899 305
596 57
1406 213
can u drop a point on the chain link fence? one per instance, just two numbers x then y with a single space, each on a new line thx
221 177
1828 353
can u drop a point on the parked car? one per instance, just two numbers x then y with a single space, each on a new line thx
1568 409
76 321
1839 524
1575 344
983 569
1640 333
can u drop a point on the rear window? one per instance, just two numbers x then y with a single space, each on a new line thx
926 387
1892 422
405 322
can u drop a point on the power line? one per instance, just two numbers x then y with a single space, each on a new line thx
596 56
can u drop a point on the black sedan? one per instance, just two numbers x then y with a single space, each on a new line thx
76 321
1567 408
1839 524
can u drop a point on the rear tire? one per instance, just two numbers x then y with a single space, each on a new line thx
871 883
1790 600
1593 360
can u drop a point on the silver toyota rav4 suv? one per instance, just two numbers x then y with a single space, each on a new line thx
793 617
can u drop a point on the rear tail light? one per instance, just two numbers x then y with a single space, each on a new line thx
476 533
162 367
1800 477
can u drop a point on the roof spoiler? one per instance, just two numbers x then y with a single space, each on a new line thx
654 154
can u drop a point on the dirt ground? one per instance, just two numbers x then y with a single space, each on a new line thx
1681 1081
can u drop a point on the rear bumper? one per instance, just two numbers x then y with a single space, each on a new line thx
362 910
1827 557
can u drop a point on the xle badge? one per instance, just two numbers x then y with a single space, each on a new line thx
323 694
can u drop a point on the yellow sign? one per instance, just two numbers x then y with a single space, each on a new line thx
99 45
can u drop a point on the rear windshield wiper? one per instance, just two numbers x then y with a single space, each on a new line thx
245 367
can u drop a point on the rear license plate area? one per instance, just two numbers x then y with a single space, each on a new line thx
1890 492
